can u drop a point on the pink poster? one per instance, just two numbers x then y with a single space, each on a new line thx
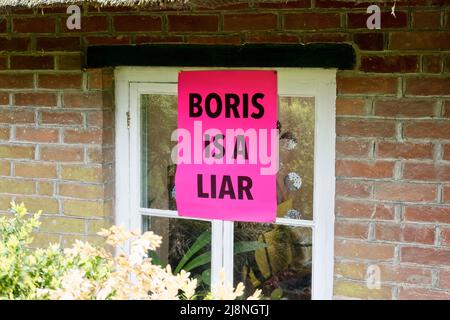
227 152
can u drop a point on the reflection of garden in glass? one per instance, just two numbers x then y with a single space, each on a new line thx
158 121
282 268
297 120
186 245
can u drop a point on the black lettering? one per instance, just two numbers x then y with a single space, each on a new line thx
240 141
208 100
231 104
200 192
195 109
258 106
244 188
226 188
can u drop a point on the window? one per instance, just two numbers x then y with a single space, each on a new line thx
292 258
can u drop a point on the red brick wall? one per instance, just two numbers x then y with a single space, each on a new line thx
393 124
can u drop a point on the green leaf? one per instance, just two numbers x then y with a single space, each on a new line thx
206 277
198 261
201 241
155 258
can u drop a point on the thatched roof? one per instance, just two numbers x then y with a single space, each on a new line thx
129 3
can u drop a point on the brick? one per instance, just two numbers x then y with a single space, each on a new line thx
391 191
58 44
427 130
426 20
62 225
17 186
363 210
427 214
62 154
81 191
79 173
102 119
193 23
37 135
83 208
16 116
33 25
398 150
366 85
360 290
350 270
5 168
353 189
91 136
108 40
85 100
349 229
369 41
16 81
89 24
408 108
365 169
251 22
45 188
447 108
15 44
95 226
4 134
99 79
311 21
390 64
403 274
16 152
32 62
359 20
419 40
271 38
432 64
137 23
60 81
34 170
426 86
34 204
418 234
4 98
444 279
352 148
101 155
61 118
158 39
364 128
5 202
388 232
350 106
446 194
35 99
426 172
325 37
363 250
425 256
69 62
43 240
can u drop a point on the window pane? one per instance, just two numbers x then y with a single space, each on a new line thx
274 258
158 121
186 245
295 179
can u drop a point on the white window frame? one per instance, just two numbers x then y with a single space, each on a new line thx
320 83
